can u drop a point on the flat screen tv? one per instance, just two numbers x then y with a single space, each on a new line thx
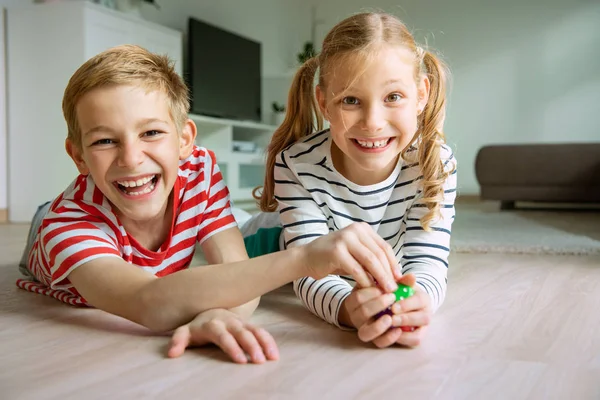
223 72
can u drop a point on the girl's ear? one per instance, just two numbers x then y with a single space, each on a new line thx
76 155
423 93
322 101
187 139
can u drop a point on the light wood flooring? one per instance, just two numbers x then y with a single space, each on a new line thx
512 327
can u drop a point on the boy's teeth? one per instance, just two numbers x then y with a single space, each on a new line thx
139 182
375 144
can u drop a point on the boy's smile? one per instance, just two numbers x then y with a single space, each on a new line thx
131 148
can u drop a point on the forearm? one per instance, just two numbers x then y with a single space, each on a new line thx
176 299
432 279
324 297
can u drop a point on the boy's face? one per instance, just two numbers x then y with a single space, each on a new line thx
131 148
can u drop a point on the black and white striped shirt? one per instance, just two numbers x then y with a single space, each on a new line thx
315 199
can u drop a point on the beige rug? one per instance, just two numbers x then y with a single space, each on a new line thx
480 230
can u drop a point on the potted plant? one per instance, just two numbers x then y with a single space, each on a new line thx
133 6
278 113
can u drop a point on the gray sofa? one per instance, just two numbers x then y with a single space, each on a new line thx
555 173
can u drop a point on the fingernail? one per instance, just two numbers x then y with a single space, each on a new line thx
259 357
392 287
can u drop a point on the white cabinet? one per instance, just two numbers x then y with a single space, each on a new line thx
242 170
46 43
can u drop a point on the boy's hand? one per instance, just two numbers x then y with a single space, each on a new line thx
225 329
356 250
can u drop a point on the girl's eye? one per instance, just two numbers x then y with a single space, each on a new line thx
152 133
102 141
350 100
394 97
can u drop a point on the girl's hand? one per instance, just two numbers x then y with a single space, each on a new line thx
356 250
406 326
225 329
414 311
409 320
360 308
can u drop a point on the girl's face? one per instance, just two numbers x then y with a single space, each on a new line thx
372 117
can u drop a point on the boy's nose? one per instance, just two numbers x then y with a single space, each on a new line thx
374 119
130 155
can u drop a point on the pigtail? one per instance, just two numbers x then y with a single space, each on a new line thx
302 118
431 137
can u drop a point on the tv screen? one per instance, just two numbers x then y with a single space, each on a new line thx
223 73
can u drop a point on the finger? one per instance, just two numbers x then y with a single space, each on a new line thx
412 339
408 280
179 341
266 341
388 338
371 330
418 301
414 319
365 252
372 307
391 257
352 266
249 344
227 342
362 296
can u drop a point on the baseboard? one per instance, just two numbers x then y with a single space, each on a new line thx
468 198
3 215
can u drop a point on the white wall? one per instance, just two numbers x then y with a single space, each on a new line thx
522 71
280 25
3 135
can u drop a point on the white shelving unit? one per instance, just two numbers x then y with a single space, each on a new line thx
46 43
241 171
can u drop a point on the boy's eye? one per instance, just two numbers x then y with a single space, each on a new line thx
394 97
350 100
152 133
102 141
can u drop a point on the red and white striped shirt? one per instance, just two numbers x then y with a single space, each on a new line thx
81 226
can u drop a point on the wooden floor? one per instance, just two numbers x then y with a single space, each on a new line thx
512 327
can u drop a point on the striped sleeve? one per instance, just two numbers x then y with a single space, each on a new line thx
425 254
303 221
217 213
70 239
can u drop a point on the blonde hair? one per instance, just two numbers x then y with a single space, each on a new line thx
361 34
125 65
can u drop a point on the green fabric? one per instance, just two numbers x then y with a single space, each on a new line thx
264 241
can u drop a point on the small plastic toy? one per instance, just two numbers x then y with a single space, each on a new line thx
403 292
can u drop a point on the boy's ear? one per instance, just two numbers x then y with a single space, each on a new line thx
187 139
76 154
322 101
423 92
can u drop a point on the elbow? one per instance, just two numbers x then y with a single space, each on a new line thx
154 313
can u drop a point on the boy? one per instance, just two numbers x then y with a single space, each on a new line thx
121 237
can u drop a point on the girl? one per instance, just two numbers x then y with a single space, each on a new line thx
383 161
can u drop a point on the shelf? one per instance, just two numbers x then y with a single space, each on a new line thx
223 122
238 157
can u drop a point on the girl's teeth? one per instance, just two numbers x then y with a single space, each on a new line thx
375 144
